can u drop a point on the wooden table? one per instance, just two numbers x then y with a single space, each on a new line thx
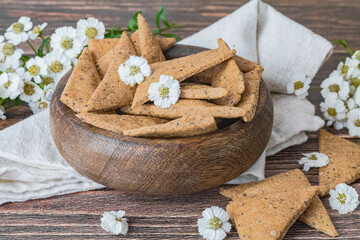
77 216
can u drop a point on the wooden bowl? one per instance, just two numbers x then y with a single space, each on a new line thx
161 166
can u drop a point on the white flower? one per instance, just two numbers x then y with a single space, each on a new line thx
214 225
10 85
58 64
8 49
344 198
356 55
335 86
16 33
343 68
299 84
114 222
134 70
35 67
46 80
333 110
65 42
31 92
354 68
89 29
357 96
350 104
40 105
11 63
314 159
48 91
338 125
36 31
2 113
165 92
353 122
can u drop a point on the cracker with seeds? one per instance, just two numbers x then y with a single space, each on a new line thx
118 123
182 68
269 215
186 106
250 97
344 161
201 91
149 46
315 215
186 126
113 93
164 43
99 47
82 83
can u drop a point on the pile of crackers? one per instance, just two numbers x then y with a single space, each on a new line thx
214 84
268 208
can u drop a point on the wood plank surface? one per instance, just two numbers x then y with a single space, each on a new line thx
77 216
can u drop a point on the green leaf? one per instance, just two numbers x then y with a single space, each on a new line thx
132 25
47 45
162 16
171 35
40 51
345 45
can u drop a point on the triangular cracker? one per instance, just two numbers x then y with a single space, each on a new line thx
118 123
164 43
250 96
315 215
244 64
113 93
82 83
186 126
99 47
344 161
269 215
184 107
201 91
149 46
228 75
182 68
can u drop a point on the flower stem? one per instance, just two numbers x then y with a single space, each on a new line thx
1 101
32 47
345 45
314 88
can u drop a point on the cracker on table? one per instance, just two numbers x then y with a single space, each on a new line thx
82 83
269 215
184 107
149 46
344 161
164 43
315 215
201 91
186 126
113 93
118 123
250 97
182 68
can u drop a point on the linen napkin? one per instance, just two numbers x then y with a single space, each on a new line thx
31 166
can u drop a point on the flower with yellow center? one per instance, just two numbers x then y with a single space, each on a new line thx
114 222
31 92
58 65
343 198
299 84
35 68
164 93
65 42
214 224
334 111
353 122
40 105
90 28
36 31
134 70
335 87
314 159
10 85
16 33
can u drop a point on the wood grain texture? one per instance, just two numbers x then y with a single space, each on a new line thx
77 216
161 166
